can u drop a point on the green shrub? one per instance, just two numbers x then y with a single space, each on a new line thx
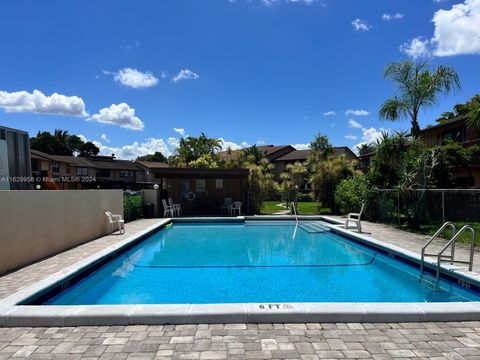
132 206
304 197
351 193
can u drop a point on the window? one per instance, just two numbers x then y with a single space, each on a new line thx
68 168
219 183
82 171
200 185
455 134
103 173
127 174
55 167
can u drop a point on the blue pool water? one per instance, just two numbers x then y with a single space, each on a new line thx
231 263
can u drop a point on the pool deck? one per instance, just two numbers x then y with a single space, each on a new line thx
434 340
411 241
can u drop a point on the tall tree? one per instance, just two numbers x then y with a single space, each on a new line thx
321 147
364 149
418 87
462 109
157 156
474 116
292 178
325 177
62 143
253 154
192 148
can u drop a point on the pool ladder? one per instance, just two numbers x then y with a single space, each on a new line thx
293 209
451 243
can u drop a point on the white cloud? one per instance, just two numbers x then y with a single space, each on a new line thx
457 30
185 74
301 146
396 16
370 135
353 112
132 151
351 137
37 102
104 137
151 145
260 142
456 33
173 141
330 113
134 78
416 48
180 131
232 145
360 25
353 124
121 115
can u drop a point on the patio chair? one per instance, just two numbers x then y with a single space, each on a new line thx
356 219
115 221
227 204
167 209
177 207
236 207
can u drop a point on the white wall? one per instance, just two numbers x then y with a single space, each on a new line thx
153 196
35 224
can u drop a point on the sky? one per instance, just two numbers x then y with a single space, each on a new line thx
136 76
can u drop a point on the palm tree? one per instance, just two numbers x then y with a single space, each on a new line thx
364 149
474 116
418 87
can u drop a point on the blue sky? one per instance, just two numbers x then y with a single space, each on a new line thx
127 73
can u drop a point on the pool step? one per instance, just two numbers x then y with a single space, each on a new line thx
313 227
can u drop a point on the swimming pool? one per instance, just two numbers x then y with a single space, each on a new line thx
253 262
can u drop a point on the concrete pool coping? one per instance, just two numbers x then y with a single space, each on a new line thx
13 314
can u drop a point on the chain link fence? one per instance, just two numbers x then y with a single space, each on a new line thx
424 207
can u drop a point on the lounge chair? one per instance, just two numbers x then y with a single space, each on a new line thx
115 221
227 204
167 209
236 207
356 219
177 207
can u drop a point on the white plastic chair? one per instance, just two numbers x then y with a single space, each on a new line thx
177 207
115 221
167 209
356 219
227 204
236 207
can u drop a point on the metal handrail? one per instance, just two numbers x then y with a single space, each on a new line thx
442 228
452 241
292 205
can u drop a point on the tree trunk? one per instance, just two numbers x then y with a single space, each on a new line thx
415 131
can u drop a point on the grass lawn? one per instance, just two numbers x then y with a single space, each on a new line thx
304 208
464 238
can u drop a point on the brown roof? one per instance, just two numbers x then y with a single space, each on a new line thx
73 160
445 123
270 149
302 155
153 164
84 162
115 165
297 155
345 151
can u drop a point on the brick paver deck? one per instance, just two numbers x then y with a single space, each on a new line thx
459 340
414 242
